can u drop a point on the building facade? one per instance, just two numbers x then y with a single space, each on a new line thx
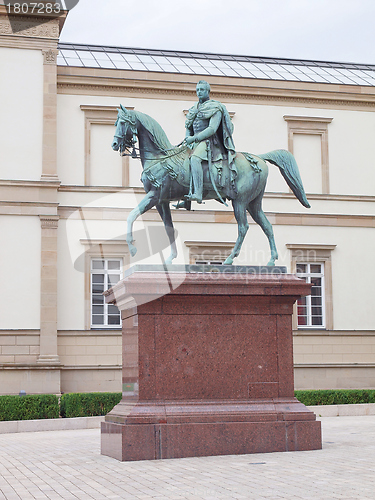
66 195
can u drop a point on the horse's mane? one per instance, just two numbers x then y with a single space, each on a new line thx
157 134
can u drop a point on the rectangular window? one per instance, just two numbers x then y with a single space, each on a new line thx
105 273
310 309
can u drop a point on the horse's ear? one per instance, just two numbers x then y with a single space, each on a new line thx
123 109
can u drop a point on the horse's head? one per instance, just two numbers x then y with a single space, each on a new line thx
126 130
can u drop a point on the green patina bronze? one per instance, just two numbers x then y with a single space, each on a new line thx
204 166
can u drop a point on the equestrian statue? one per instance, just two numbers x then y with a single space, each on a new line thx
204 166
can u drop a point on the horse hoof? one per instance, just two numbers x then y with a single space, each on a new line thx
228 262
271 263
133 251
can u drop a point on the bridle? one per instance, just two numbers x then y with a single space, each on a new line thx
124 143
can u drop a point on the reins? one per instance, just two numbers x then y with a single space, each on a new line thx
136 155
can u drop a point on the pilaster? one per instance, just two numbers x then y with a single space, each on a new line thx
48 307
49 164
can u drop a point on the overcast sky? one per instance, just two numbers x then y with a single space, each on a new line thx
328 30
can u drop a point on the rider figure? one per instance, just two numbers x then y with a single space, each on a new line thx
207 120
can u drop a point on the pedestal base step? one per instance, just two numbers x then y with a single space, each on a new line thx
152 431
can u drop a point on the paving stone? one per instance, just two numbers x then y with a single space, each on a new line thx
67 465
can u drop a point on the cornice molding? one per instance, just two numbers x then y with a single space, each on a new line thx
12 42
312 119
70 84
312 246
38 184
205 243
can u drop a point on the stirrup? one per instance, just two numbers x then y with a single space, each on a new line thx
183 204
193 197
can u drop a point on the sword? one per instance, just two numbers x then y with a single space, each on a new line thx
208 144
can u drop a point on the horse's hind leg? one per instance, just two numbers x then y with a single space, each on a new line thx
165 213
256 212
241 217
148 202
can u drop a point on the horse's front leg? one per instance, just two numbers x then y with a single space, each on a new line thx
165 213
148 202
239 208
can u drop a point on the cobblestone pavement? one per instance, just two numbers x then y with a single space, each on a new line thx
68 465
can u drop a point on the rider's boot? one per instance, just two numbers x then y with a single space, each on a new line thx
197 173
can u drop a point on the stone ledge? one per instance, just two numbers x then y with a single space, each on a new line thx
357 410
53 424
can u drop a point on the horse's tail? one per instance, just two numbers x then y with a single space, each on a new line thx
289 170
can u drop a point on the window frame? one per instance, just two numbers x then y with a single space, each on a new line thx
314 253
101 249
106 285
308 275
312 125
101 115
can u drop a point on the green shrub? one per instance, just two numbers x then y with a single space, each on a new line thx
335 397
29 407
88 404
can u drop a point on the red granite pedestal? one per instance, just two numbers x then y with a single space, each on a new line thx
207 367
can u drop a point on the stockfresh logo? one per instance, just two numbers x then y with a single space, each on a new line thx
27 14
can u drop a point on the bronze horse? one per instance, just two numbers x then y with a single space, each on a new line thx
166 178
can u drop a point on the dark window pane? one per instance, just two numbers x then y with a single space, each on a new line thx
317 321
113 320
301 268
316 301
316 281
98 309
301 311
112 309
98 319
97 299
97 288
302 321
98 278
316 268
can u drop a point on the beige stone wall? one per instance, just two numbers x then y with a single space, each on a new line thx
334 377
17 346
91 361
21 125
334 360
20 259
33 379
90 348
325 348
91 380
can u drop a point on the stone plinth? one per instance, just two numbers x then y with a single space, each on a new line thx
207 364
